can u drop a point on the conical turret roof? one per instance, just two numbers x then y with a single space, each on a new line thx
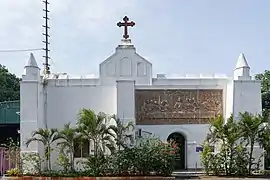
241 61
32 61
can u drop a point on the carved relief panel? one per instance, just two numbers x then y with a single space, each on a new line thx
177 106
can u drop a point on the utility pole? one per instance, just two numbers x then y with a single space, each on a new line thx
46 42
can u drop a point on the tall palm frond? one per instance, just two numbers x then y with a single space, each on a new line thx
46 137
252 127
216 129
106 142
94 127
122 133
68 135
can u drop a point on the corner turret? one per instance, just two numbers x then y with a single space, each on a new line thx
242 69
30 101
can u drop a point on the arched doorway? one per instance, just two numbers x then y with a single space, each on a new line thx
180 160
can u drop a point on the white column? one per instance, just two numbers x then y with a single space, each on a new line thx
126 100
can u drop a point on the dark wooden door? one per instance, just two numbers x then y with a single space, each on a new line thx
180 159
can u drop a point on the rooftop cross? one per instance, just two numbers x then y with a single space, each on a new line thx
126 23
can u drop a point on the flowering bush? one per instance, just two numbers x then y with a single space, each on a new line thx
171 147
14 172
149 157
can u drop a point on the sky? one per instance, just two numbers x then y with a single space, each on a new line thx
176 36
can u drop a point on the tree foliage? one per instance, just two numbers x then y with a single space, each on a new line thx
265 89
265 78
9 85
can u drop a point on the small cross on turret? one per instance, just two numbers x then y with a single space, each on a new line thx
126 24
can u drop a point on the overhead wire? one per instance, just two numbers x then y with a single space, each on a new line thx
20 50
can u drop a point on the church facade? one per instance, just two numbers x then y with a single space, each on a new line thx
168 107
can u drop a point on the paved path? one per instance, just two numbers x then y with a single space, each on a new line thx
216 178
185 175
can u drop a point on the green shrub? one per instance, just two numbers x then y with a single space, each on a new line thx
207 158
63 160
96 165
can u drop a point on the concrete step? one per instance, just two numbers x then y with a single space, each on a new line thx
188 173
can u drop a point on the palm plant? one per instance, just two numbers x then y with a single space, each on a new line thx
68 135
122 135
46 137
251 128
94 127
226 135
216 130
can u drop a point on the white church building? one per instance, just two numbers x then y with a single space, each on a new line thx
177 107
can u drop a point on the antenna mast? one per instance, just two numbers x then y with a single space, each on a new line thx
46 42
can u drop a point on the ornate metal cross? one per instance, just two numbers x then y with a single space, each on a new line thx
126 24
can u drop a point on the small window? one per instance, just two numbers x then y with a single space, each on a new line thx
81 149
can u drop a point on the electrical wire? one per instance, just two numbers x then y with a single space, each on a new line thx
20 50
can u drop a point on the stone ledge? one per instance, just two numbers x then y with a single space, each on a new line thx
90 178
